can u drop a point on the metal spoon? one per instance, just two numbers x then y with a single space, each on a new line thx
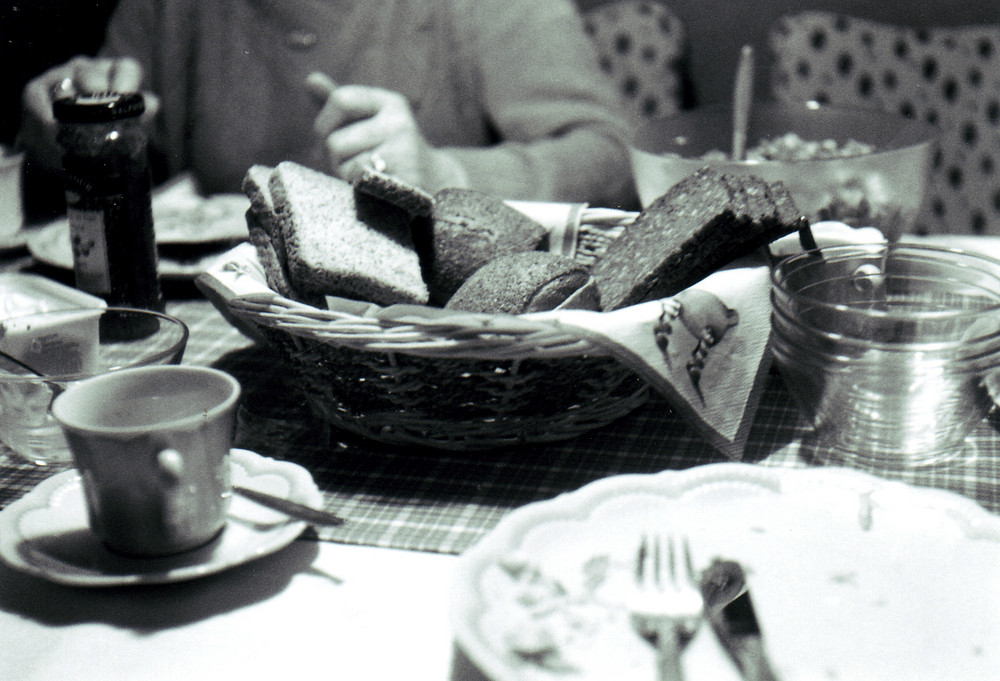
290 508
12 365
742 102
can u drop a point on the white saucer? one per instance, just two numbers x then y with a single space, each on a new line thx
17 240
45 533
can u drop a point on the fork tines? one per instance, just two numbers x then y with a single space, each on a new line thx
650 555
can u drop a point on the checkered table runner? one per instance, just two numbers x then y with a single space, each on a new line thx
429 500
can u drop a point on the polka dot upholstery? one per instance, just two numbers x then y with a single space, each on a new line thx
949 77
642 47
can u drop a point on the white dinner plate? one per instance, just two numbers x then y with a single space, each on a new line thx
45 533
50 245
852 576
182 217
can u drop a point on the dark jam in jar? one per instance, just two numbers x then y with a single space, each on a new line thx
108 199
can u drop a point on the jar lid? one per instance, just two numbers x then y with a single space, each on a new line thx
99 107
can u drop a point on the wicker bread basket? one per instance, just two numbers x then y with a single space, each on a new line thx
418 375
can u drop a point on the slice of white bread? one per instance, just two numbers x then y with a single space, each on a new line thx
344 243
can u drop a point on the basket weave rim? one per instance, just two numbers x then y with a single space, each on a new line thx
419 330
435 332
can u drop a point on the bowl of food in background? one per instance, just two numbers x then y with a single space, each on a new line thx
42 354
860 167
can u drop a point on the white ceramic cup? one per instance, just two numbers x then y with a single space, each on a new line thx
11 202
151 445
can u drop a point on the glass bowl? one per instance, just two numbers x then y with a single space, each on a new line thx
883 189
44 353
888 349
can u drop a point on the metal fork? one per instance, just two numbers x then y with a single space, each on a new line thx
666 605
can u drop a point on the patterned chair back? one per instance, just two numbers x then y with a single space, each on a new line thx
949 77
642 47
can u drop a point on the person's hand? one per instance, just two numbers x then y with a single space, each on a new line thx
361 126
78 75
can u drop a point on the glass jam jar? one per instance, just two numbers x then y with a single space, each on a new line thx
108 197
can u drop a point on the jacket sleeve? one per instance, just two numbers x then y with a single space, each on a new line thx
562 134
158 36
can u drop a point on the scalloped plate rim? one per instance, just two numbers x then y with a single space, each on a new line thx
14 547
468 601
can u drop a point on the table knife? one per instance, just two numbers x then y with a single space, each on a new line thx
730 613
736 627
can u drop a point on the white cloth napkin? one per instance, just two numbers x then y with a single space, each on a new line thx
705 349
664 340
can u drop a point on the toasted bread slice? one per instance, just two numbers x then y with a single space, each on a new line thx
395 191
265 230
270 259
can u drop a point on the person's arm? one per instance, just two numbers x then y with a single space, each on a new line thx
362 126
43 184
155 34
563 136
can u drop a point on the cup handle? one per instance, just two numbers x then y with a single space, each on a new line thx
171 465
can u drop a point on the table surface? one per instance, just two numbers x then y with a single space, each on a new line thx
384 575
442 501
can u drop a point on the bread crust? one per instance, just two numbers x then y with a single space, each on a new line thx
702 223
521 282
469 229
342 242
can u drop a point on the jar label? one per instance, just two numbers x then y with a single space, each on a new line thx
90 250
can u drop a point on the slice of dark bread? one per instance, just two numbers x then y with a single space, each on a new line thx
344 243
256 185
270 259
265 230
395 191
468 229
702 223
515 283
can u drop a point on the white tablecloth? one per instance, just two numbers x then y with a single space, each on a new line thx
313 611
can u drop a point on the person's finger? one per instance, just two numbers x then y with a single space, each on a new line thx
152 103
320 85
342 157
63 87
363 101
126 75
94 75
329 118
331 115
38 95
37 99
351 147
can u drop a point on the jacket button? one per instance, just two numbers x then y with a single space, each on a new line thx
301 39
